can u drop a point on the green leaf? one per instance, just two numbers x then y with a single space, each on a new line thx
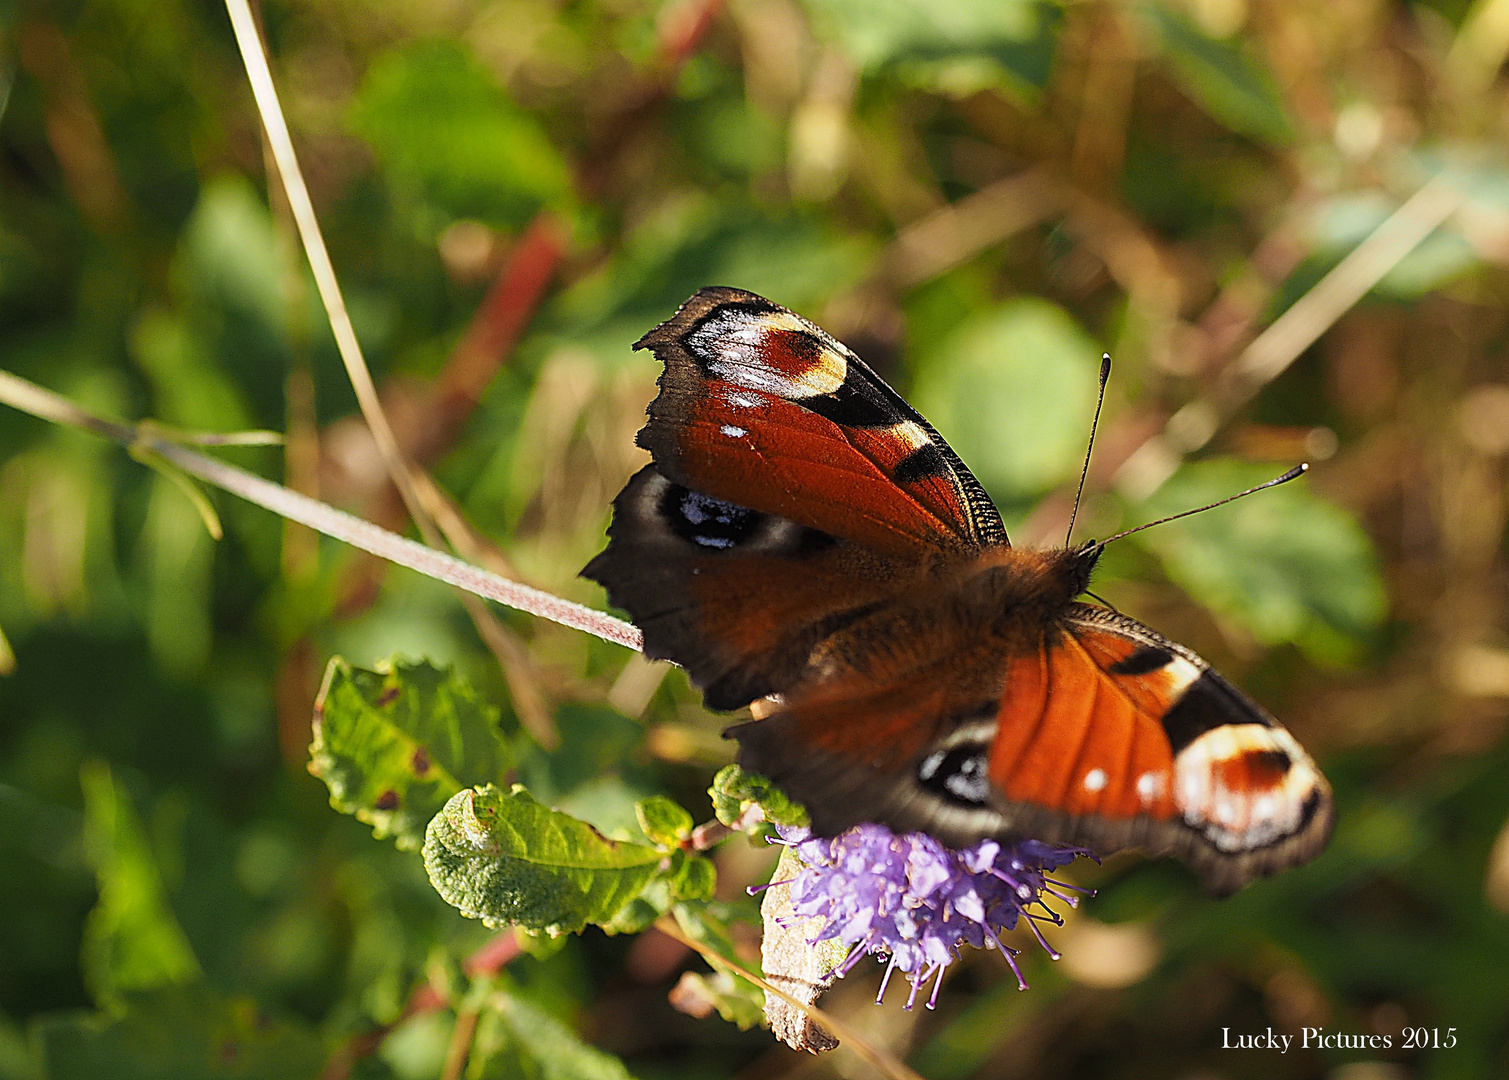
230 254
1220 78
735 790
132 940
692 877
960 47
689 878
394 744
442 128
1285 564
737 1000
502 857
185 1033
1012 390
663 820
516 1041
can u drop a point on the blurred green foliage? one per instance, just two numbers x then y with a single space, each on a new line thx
1012 385
1287 567
448 138
979 197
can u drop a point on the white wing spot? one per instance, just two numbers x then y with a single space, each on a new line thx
1149 786
733 431
1095 780
910 433
1181 674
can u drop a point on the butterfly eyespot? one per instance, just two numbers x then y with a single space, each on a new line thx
959 773
708 522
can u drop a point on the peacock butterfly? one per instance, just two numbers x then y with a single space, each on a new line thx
803 540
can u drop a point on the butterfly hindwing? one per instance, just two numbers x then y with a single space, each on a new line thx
1139 742
759 407
1104 734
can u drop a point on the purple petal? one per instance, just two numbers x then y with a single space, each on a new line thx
915 903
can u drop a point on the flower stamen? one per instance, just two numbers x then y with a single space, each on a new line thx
915 904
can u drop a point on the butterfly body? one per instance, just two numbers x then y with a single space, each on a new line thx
804 538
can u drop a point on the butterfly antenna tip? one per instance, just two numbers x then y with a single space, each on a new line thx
1100 399
1293 474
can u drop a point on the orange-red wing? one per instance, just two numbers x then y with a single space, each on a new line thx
760 408
1078 738
1126 738
1104 735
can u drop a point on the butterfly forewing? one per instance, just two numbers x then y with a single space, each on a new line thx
738 598
759 407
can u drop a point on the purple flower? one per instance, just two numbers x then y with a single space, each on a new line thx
913 900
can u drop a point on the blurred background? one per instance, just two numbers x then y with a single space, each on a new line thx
1288 222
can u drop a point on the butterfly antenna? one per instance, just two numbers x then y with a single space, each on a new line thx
1103 600
1292 474
1100 399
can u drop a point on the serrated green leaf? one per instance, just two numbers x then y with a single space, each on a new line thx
735 790
394 744
504 858
516 1041
1011 389
132 940
663 820
185 1033
640 913
1285 564
690 878
443 128
1220 78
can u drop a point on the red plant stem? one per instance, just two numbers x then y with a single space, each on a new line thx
502 317
501 950
682 34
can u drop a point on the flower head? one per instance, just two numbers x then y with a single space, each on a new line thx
912 900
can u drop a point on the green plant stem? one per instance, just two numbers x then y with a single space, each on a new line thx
31 398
